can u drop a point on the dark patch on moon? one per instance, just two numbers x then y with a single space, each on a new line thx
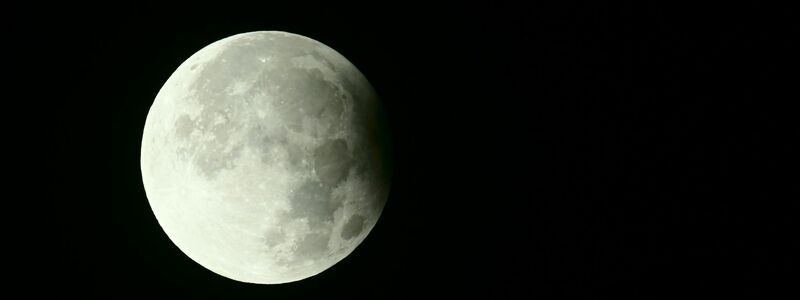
273 238
264 144
332 162
319 57
353 227
209 156
313 201
295 155
233 64
312 246
307 94
184 126
211 162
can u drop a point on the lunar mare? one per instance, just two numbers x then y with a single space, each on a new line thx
264 157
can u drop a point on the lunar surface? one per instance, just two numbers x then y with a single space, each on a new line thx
265 157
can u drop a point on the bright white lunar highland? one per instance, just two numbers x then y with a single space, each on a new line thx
264 157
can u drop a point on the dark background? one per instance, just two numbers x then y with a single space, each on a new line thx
566 149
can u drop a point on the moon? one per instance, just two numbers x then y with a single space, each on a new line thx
265 157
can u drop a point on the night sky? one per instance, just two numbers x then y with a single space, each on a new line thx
544 150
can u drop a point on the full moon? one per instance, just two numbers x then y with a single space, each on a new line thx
265 157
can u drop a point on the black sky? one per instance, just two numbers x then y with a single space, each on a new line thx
543 150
